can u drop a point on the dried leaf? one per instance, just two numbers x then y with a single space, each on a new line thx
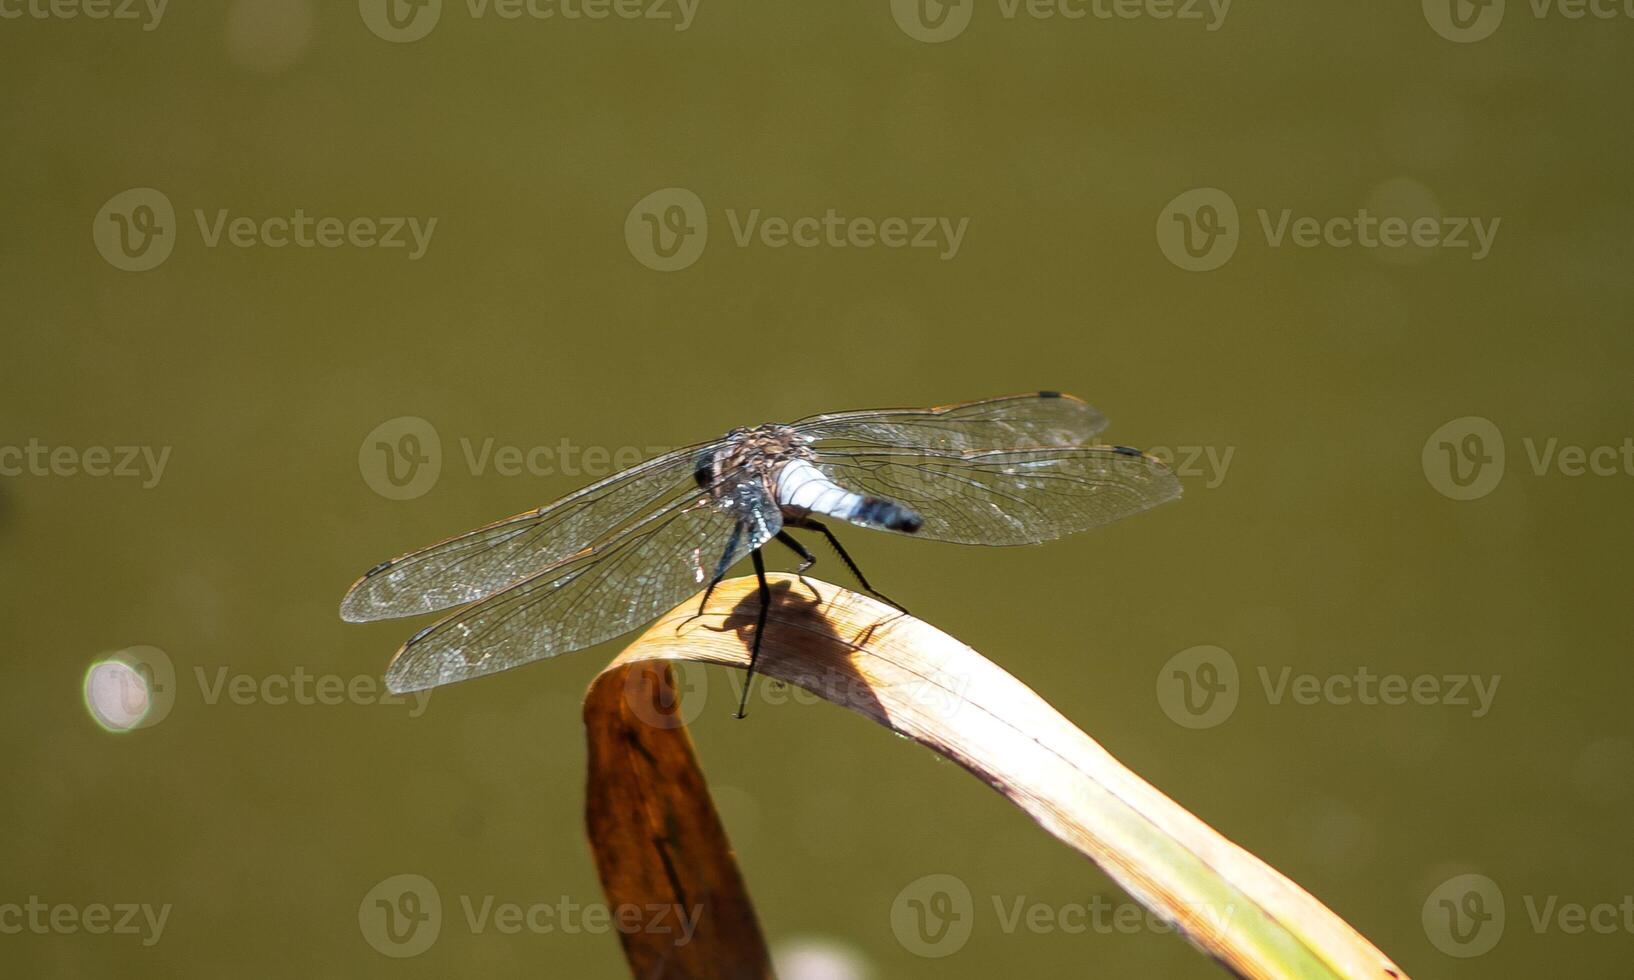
658 840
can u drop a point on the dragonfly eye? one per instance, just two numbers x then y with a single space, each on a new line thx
704 468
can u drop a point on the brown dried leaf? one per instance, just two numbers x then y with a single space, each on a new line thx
659 842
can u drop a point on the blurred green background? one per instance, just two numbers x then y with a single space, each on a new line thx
1332 541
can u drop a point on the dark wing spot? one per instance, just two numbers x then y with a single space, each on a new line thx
1049 394
371 573
1126 451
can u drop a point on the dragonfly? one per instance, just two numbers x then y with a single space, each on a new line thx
1020 469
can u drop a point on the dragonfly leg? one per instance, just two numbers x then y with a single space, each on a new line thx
760 628
840 550
721 567
807 559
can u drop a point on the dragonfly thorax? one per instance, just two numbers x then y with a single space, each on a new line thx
780 460
750 453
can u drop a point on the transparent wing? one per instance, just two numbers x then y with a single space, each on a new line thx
595 596
480 563
1007 497
1040 418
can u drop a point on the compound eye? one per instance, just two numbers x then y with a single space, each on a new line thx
704 468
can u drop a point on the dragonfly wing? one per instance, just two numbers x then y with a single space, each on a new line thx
1007 497
488 560
608 590
1043 418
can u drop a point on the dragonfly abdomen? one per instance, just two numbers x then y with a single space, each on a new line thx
803 489
888 514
